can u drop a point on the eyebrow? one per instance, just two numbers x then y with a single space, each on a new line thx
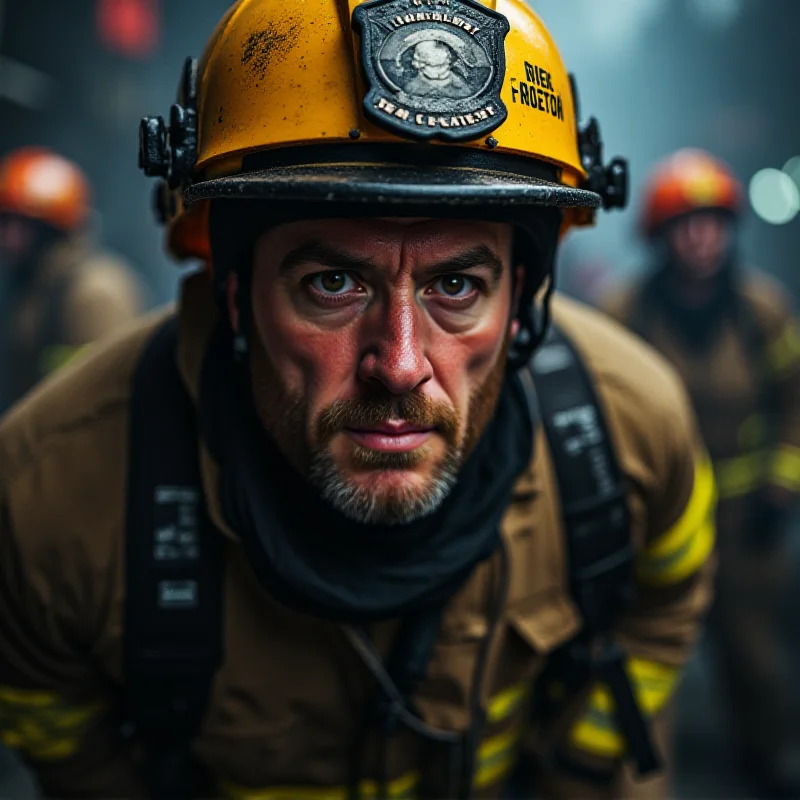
480 256
317 252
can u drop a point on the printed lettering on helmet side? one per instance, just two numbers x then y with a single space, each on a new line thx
536 90
434 68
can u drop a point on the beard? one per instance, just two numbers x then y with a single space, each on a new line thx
306 444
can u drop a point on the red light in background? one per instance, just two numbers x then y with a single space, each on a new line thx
129 27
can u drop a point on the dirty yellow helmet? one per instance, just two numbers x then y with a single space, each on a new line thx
442 104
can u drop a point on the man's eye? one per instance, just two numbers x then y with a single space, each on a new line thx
333 282
455 286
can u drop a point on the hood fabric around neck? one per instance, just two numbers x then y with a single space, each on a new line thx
312 558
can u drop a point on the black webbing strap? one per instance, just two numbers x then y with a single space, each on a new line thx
174 571
597 525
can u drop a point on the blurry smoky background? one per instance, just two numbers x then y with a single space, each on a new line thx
663 74
77 75
659 74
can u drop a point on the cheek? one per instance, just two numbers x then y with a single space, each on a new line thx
318 364
463 363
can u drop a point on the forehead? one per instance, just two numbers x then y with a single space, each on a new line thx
705 218
418 238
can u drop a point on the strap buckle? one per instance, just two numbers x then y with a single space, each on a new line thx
635 728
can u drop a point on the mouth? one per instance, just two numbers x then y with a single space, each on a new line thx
392 436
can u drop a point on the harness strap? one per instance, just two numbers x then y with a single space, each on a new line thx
597 524
174 575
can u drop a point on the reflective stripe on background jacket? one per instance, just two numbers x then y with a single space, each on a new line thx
288 700
749 444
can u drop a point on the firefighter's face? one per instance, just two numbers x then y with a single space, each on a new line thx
701 243
17 241
378 353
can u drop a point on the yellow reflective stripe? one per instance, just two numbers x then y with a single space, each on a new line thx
784 468
231 791
784 352
402 788
684 548
742 474
497 756
10 696
42 724
50 751
57 356
505 703
654 683
597 732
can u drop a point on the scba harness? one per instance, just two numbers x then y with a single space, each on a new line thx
175 561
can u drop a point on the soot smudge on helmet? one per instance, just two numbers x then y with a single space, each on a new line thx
267 46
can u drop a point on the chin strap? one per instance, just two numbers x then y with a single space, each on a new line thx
534 323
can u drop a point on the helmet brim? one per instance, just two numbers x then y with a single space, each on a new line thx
392 184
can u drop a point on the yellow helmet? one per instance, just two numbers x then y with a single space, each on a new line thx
443 104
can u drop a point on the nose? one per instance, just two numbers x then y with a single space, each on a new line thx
394 352
704 232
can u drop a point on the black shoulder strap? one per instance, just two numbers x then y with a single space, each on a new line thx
592 487
174 573
597 524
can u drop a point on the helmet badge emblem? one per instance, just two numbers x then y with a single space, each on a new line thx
434 68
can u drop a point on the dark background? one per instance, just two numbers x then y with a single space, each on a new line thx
659 74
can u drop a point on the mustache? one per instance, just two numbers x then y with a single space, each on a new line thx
375 409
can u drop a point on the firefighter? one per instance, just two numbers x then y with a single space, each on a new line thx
355 521
733 338
59 294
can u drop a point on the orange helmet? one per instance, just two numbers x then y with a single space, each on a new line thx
689 180
40 184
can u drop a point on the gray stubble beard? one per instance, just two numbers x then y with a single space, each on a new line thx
367 507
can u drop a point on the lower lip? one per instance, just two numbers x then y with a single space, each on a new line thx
390 443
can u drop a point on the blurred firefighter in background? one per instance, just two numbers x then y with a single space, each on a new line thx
57 291
732 336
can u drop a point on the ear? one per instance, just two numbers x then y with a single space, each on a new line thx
519 278
231 297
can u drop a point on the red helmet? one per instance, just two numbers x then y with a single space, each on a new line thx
689 180
40 184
